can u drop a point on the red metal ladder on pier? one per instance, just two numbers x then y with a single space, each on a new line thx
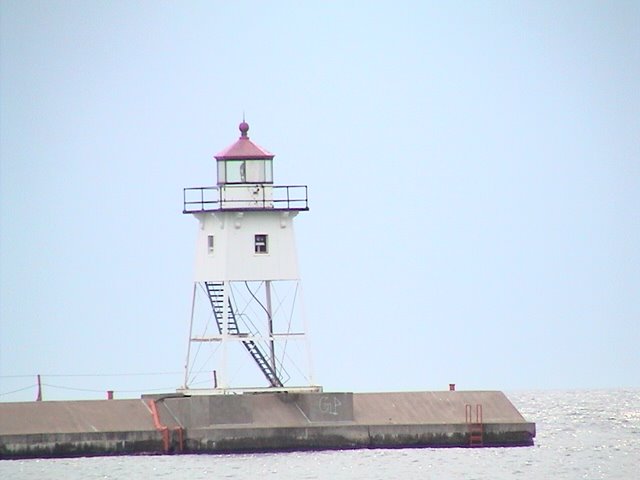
476 428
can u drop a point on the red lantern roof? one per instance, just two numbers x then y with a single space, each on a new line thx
244 148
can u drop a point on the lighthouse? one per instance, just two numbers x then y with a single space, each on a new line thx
247 329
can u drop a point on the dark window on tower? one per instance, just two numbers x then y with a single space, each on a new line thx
261 245
210 244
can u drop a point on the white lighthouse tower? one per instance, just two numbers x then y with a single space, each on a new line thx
247 326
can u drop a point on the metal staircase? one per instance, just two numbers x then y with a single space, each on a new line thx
215 292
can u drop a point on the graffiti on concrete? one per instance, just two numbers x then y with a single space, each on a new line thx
329 405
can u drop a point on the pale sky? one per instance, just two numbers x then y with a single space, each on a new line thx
473 173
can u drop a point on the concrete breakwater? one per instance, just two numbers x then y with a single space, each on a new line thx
261 422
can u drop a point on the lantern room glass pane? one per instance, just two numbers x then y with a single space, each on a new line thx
268 171
255 171
235 171
222 177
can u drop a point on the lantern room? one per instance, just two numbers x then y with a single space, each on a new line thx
244 162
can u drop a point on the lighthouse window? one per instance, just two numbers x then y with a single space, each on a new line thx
268 171
222 173
255 171
210 244
261 245
236 171
245 171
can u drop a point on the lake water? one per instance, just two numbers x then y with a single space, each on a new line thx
580 434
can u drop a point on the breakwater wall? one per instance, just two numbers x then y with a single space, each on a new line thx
261 422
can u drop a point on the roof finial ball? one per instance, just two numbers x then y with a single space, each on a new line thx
244 128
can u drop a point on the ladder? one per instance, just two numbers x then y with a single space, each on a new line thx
475 425
215 291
